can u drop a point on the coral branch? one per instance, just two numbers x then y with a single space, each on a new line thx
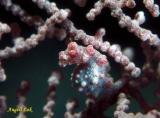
124 20
106 47
91 56
123 106
4 28
153 8
70 107
21 96
3 106
53 82
22 45
23 15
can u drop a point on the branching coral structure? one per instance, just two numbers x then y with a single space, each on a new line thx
91 54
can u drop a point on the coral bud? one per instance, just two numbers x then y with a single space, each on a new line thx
90 50
72 53
72 45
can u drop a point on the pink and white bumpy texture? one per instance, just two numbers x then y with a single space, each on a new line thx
90 55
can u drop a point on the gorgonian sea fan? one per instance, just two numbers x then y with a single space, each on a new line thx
91 54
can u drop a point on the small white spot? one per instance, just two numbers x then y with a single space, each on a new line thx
76 81
83 84
80 89
86 76
95 80
77 75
